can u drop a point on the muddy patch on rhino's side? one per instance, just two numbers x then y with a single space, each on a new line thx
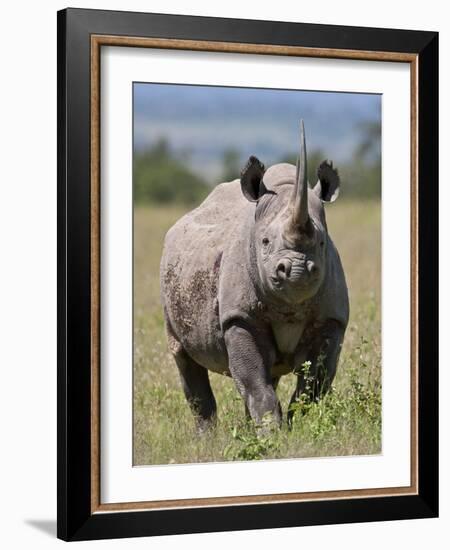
188 302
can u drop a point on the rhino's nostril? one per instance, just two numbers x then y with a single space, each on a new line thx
283 269
312 267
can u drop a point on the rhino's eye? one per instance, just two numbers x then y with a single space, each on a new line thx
322 243
265 241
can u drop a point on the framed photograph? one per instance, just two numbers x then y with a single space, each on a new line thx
247 255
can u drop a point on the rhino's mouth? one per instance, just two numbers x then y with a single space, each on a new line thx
276 282
299 281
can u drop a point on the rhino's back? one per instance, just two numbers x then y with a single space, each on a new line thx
197 238
190 268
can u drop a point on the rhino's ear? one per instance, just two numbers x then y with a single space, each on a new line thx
251 179
328 185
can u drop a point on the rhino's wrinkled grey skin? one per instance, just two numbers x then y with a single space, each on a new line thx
252 287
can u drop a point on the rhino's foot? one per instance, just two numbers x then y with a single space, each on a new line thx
205 426
265 410
269 424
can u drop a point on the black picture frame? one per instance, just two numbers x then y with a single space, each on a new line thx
75 478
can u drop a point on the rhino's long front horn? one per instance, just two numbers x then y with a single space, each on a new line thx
299 200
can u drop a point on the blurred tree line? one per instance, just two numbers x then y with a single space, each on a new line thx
161 176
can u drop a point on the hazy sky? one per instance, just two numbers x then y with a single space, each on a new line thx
202 121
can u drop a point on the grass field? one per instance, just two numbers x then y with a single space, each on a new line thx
346 422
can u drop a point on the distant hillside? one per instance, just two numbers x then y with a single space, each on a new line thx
200 123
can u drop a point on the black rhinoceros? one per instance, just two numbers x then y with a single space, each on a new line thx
252 286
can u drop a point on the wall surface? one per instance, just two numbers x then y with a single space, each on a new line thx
28 274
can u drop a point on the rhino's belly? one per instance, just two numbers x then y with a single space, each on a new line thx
290 355
287 364
280 369
213 359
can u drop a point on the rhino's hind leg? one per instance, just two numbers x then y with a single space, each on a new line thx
315 380
197 389
195 382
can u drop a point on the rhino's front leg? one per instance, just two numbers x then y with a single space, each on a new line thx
250 358
323 356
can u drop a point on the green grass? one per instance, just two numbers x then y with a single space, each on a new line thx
346 422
